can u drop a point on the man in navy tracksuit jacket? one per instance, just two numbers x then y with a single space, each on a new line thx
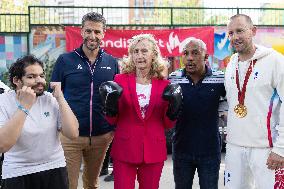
196 139
81 72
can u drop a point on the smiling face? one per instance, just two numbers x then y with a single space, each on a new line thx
142 55
34 77
92 33
240 33
194 57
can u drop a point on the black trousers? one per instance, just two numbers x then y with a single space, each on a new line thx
50 179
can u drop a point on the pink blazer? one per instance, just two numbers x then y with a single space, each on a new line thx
138 140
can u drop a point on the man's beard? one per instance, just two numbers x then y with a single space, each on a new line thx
93 47
41 92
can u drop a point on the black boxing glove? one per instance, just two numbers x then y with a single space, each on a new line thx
2 90
173 94
110 92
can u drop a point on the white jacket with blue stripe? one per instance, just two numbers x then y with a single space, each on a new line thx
263 126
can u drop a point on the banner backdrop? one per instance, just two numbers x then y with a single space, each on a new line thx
170 41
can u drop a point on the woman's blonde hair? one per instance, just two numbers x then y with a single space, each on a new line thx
158 63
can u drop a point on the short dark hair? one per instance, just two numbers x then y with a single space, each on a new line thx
17 69
94 17
248 19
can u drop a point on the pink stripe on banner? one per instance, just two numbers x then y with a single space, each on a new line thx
268 118
279 179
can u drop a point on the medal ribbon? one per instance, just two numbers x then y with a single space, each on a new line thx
242 93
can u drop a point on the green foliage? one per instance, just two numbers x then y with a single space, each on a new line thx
179 16
271 17
5 79
48 70
21 7
216 19
15 23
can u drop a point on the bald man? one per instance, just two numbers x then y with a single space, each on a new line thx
254 82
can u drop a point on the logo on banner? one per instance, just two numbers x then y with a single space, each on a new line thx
172 43
175 42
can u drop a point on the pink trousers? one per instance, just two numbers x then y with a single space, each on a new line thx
148 175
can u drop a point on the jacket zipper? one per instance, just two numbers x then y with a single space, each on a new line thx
92 92
91 111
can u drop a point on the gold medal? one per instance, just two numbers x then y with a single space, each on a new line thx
240 110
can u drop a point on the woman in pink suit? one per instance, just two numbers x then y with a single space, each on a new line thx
141 103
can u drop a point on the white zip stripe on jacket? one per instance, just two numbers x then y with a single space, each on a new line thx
267 77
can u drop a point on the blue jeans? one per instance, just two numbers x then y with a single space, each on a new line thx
207 169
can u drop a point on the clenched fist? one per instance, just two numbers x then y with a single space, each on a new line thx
173 94
57 92
110 92
26 97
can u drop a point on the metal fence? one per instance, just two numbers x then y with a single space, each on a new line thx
137 16
14 23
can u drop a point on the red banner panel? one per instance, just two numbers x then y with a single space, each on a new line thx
170 41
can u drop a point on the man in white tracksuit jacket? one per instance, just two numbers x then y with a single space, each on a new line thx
254 81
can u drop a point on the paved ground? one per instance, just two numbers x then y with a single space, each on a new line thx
167 180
